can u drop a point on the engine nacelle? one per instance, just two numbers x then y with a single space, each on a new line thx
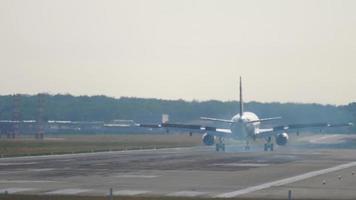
208 139
282 139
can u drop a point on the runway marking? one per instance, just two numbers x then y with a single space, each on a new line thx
41 170
15 190
129 192
135 176
285 181
26 181
66 160
54 139
68 191
241 164
10 172
23 163
96 153
186 194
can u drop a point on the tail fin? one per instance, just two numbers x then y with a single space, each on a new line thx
165 118
241 100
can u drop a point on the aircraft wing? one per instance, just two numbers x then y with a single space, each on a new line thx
311 125
277 129
117 125
220 132
17 122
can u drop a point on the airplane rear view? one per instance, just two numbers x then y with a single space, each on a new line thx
242 126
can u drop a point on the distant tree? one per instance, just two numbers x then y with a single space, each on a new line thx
103 108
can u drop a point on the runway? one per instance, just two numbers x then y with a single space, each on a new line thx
187 172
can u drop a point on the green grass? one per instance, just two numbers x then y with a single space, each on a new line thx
92 143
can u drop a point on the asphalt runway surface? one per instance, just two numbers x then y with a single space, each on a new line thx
188 172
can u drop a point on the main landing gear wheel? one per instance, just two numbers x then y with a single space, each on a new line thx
247 147
220 146
269 145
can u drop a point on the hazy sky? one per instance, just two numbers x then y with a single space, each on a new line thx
289 51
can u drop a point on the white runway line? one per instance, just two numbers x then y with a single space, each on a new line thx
66 160
41 170
23 163
186 194
94 153
15 190
68 191
10 172
286 180
26 181
241 164
129 192
135 176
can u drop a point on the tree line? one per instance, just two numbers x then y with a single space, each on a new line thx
103 108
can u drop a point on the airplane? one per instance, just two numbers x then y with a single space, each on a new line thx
243 126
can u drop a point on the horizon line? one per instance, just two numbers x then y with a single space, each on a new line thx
177 99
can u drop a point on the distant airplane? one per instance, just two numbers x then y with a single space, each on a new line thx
243 126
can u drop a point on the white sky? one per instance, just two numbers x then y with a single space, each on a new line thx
288 51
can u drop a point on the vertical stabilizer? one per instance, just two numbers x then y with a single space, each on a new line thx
241 100
165 118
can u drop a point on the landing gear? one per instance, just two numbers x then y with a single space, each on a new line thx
247 147
269 145
220 145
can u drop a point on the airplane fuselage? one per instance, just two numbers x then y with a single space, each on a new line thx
244 126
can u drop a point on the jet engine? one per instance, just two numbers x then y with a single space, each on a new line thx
282 139
208 139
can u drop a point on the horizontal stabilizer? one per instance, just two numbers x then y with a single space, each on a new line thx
216 119
265 119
